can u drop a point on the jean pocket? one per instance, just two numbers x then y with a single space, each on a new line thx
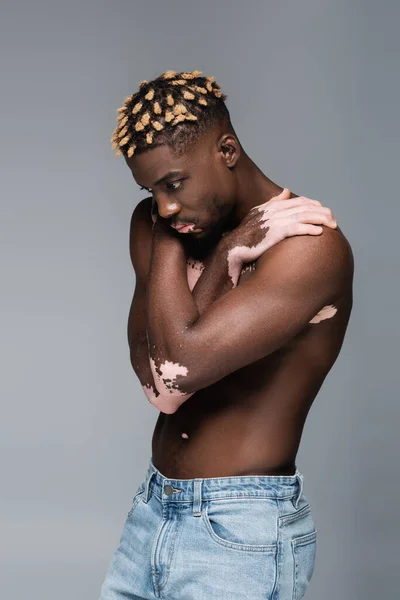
304 551
136 499
293 515
250 525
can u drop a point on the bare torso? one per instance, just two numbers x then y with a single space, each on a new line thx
251 421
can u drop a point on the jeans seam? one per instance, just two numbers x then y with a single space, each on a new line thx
172 554
278 550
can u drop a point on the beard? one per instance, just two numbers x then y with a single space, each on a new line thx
200 245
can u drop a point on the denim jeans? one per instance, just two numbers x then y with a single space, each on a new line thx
249 537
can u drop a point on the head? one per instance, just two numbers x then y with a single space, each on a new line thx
177 138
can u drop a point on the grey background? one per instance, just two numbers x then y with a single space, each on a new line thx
313 91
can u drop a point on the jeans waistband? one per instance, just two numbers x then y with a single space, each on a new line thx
206 488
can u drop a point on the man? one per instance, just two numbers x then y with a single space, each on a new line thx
240 309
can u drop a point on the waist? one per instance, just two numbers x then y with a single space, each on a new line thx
184 490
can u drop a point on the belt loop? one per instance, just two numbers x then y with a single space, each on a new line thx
147 486
197 497
300 479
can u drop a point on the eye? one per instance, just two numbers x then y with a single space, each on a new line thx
173 183
144 188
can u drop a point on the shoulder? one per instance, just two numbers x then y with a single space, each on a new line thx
140 237
331 243
142 211
318 262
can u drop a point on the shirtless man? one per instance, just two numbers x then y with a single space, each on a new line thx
235 322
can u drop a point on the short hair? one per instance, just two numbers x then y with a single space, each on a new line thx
174 109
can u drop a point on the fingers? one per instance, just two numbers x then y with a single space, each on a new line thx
283 200
284 195
295 210
305 229
317 218
309 214
290 203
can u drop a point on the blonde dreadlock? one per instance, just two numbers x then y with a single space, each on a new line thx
149 117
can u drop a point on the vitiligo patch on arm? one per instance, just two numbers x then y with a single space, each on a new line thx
150 393
166 375
327 312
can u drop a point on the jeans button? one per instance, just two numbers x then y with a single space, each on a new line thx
168 490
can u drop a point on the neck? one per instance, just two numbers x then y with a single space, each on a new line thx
253 188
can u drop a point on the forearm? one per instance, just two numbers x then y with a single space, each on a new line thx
140 360
211 285
172 308
215 280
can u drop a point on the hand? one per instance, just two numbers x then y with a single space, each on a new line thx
162 232
267 224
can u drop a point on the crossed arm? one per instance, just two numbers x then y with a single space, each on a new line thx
190 351
212 283
215 329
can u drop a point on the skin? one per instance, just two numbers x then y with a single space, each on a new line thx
232 354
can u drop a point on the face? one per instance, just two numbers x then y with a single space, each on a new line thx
198 187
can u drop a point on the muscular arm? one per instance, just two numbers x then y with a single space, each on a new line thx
293 281
140 244
212 283
140 252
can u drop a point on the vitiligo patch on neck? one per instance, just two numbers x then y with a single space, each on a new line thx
327 312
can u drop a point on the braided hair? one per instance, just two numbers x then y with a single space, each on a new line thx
174 110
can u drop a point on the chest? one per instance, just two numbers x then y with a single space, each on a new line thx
195 268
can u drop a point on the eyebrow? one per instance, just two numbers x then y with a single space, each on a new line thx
165 177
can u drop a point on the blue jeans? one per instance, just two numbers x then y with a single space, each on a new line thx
218 538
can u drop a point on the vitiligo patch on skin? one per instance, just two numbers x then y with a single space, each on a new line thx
167 405
166 374
150 394
327 312
233 262
196 267
194 270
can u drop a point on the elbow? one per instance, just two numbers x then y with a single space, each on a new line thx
175 387
172 378
170 404
165 404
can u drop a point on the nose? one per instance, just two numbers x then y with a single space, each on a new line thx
167 208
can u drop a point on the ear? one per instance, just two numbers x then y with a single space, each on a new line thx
230 149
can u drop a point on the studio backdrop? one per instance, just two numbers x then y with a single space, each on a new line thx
313 92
